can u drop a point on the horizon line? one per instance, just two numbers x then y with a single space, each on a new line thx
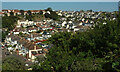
60 1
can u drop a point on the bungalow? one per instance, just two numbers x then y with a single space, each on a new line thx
59 14
25 13
4 11
24 31
46 35
35 11
32 29
16 32
76 29
45 27
81 28
16 12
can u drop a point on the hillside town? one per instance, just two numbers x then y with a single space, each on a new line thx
29 38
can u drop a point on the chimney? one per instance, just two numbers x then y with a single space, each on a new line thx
34 47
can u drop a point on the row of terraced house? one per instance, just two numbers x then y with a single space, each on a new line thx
23 47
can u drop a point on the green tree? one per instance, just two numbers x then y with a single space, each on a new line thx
93 50
41 12
47 15
12 63
54 16
22 12
49 9
11 14
29 12
8 23
29 17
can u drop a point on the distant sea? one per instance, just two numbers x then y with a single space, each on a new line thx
65 6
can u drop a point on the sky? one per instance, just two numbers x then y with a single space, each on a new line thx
60 0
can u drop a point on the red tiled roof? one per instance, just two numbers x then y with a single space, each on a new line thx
4 10
16 11
1 13
25 11
35 10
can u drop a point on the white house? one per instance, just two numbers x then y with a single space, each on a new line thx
63 24
16 32
25 23
76 29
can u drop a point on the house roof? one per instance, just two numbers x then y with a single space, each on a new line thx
1 13
33 35
4 10
83 27
32 28
27 44
35 10
16 11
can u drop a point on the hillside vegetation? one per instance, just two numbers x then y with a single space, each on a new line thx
97 49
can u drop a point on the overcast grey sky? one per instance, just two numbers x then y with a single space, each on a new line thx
60 0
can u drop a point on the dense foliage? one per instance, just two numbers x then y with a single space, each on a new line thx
53 15
97 49
8 23
12 63
22 12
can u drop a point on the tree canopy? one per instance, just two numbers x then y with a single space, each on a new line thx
22 12
94 50
12 63
53 15
8 24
